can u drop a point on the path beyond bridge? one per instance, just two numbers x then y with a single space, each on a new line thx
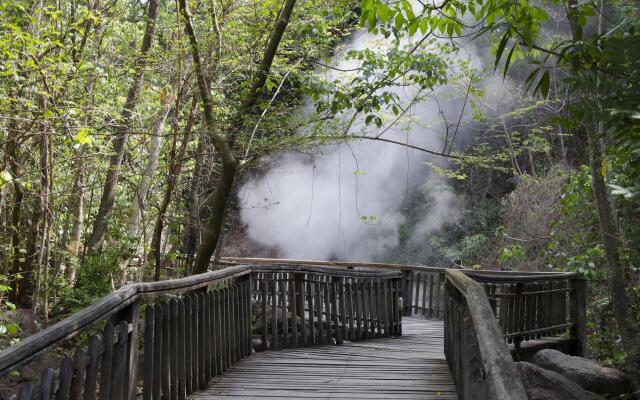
329 331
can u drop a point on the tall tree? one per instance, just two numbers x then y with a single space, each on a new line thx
107 201
223 142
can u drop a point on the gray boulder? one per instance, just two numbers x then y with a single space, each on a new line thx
586 373
542 384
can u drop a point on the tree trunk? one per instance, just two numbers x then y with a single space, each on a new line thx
32 257
193 222
77 215
16 208
610 242
175 167
122 135
166 101
224 143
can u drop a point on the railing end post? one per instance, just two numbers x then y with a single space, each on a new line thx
577 315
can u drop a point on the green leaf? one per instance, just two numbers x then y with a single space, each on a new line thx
544 84
508 60
424 26
399 20
12 329
531 77
83 137
268 83
5 177
501 46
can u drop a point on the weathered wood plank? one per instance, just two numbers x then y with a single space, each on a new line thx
181 350
79 372
47 385
107 363
91 378
411 367
188 344
64 386
120 365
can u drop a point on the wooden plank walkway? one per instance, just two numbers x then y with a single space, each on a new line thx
409 367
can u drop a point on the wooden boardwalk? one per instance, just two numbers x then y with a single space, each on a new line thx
408 367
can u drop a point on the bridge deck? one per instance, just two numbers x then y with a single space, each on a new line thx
409 367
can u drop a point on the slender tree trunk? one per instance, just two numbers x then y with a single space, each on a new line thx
166 101
611 236
16 208
42 270
25 285
77 216
610 242
175 167
224 143
193 224
122 134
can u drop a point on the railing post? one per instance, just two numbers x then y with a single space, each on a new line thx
245 320
406 293
335 281
298 279
131 315
577 310
397 311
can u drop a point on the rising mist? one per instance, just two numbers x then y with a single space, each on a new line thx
344 201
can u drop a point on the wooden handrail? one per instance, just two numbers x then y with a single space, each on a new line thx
212 328
310 302
324 270
499 371
17 355
342 264
481 274
515 276
422 286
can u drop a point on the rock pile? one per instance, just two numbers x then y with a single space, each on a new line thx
553 375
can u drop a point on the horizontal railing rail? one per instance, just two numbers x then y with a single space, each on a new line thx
180 333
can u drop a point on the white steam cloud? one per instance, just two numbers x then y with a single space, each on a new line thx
344 201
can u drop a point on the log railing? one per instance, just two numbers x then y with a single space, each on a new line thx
478 357
483 311
422 287
528 305
482 306
532 306
303 307
167 339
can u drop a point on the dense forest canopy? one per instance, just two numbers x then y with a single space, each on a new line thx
132 132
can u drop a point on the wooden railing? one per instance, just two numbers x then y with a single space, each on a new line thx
478 357
303 307
532 306
485 310
528 305
167 339
422 287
